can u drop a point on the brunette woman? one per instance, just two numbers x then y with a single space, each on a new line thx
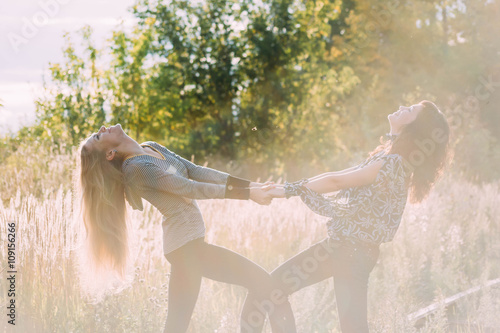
364 213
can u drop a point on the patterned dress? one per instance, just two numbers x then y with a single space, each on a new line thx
369 214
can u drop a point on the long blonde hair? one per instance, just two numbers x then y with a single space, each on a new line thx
102 206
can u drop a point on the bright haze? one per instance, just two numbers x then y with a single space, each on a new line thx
31 36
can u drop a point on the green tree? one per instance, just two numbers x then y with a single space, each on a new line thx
281 86
73 104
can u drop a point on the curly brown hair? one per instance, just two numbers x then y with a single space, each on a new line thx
424 146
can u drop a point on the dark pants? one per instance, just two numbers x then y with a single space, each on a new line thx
198 259
350 266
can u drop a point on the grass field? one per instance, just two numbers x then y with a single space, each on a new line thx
445 245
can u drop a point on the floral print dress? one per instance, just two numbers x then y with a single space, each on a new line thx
368 214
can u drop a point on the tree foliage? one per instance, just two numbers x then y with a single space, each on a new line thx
280 85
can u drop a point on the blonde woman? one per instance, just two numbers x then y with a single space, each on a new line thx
364 213
114 167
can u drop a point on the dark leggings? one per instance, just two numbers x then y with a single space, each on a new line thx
348 264
198 259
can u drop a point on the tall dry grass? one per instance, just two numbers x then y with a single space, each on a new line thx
445 245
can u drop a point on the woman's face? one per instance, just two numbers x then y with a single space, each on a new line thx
404 115
106 138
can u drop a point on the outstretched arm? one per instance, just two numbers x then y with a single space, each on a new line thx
236 188
308 190
201 173
329 182
278 193
149 177
333 182
318 203
337 173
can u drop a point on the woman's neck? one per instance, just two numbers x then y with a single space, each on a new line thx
130 148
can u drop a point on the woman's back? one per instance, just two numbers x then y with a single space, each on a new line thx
168 185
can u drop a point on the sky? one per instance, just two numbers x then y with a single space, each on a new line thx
31 36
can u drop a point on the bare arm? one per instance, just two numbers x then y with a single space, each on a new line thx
326 174
337 181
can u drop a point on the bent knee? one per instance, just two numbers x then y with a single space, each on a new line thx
267 302
273 290
285 284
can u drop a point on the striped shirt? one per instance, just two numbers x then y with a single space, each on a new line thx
370 213
172 184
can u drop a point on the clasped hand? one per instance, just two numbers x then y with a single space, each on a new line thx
264 193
